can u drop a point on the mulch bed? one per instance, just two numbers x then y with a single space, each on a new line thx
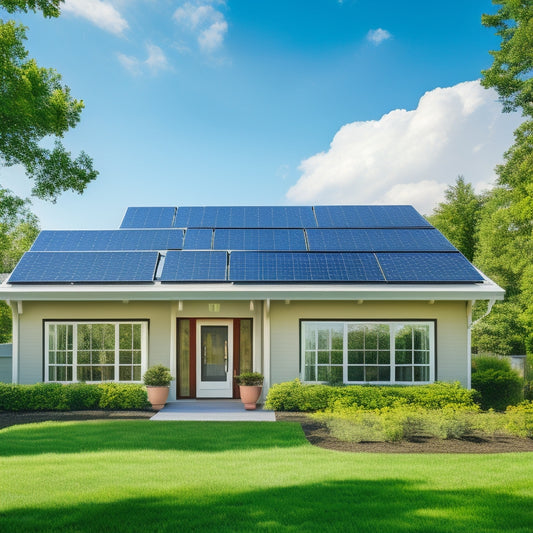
315 432
318 435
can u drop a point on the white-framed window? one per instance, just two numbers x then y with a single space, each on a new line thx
94 352
362 352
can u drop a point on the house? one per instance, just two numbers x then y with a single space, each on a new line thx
353 294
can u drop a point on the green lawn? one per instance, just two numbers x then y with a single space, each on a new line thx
189 476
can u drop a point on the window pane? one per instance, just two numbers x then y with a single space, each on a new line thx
371 373
383 336
125 337
136 331
323 339
52 358
84 373
356 337
323 374
310 373
109 337
356 373
371 338
61 373
245 347
310 358
125 358
52 373
61 358
136 373
403 338
384 357
323 358
84 357
421 337
337 337
421 373
62 336
356 357
403 357
336 374
336 358
108 373
310 336
52 337
384 373
183 357
404 373
371 358
125 373
84 337
137 357
421 358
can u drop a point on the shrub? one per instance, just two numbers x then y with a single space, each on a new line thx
520 419
498 388
157 376
75 396
486 362
293 396
249 379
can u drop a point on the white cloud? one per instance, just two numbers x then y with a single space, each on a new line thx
101 14
207 24
155 62
411 156
378 36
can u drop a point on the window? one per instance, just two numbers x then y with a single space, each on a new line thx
95 352
368 352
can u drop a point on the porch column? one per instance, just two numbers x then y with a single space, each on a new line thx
15 339
266 345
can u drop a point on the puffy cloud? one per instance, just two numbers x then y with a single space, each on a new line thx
378 36
207 24
411 156
101 14
155 62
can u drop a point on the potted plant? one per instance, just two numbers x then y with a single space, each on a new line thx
250 387
157 380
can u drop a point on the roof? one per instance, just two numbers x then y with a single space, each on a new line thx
312 249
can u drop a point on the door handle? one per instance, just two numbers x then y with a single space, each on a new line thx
226 356
205 354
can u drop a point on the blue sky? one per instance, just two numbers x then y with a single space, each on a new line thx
248 102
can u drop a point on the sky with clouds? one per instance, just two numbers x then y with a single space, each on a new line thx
239 102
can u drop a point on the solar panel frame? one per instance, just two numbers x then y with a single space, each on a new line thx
427 267
377 240
108 240
85 267
304 267
369 216
194 265
148 217
198 239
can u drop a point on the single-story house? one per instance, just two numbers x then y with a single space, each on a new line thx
353 294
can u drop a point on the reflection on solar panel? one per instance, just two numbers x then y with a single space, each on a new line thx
245 217
369 216
286 266
194 266
198 239
148 217
71 267
376 240
427 267
108 240
260 239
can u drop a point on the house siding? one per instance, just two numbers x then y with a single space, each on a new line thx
451 330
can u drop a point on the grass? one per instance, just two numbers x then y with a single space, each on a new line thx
190 476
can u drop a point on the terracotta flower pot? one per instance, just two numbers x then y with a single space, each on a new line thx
157 396
249 395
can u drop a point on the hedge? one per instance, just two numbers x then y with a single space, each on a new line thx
72 397
294 396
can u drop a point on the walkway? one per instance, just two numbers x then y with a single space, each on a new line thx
212 410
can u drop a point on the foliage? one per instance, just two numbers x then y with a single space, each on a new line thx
458 215
75 396
157 376
293 396
249 378
49 8
520 419
498 385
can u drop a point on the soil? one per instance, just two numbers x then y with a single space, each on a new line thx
315 432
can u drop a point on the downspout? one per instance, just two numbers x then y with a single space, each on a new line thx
469 306
15 338
266 346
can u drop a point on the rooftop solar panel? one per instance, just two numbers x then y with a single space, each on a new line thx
245 217
287 267
377 240
85 267
194 266
148 217
260 239
108 240
445 267
198 239
369 216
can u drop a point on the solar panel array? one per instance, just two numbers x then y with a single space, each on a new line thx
348 244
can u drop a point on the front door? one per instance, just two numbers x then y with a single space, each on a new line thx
214 359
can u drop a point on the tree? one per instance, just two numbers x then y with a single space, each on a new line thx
36 105
457 218
506 236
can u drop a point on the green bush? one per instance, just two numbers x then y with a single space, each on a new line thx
293 396
481 363
498 388
157 376
520 419
75 396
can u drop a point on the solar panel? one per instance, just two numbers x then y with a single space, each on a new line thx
287 266
198 239
148 217
245 217
108 240
72 267
260 239
428 267
369 216
377 240
194 266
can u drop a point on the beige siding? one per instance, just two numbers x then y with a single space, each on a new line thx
451 331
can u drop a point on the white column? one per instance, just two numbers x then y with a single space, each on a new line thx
174 306
15 335
266 346
469 306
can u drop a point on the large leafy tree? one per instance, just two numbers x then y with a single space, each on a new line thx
35 105
506 231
